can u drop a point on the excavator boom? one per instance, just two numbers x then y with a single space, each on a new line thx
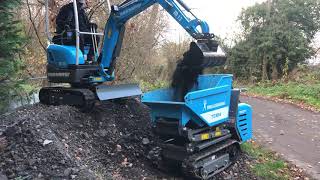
120 14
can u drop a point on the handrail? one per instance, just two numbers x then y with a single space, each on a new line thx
47 22
91 33
109 6
76 19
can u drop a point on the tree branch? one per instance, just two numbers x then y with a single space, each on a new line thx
34 26
93 9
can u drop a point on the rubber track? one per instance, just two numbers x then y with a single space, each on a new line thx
189 165
86 94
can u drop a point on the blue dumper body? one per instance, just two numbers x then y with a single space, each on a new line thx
207 105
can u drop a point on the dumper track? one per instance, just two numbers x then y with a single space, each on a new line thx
193 165
204 164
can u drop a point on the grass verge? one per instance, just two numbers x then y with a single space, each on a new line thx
147 86
266 165
308 94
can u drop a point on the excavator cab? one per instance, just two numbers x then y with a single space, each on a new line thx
66 63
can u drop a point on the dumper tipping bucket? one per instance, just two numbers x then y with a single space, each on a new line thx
207 103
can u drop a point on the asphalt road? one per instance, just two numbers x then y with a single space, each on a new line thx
289 130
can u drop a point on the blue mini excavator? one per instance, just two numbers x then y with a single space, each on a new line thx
67 64
202 133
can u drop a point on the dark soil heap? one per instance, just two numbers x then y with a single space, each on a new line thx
112 142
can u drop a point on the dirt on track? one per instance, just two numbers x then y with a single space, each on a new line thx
112 142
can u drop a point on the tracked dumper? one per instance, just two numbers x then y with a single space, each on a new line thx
202 134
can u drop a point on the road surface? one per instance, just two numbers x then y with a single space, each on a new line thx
289 130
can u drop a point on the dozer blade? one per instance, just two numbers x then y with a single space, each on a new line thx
206 51
105 92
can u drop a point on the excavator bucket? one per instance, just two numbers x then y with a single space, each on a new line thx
206 52
105 92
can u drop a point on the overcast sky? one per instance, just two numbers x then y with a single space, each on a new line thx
221 15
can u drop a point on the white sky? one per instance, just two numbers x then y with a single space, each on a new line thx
221 16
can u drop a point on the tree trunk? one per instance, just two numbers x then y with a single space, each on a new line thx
264 74
275 72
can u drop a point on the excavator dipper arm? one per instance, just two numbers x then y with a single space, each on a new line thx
115 27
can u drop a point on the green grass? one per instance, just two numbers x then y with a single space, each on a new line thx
266 164
302 85
147 86
308 93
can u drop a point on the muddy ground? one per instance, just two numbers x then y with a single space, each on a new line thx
112 142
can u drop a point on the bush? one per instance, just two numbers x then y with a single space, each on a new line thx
11 42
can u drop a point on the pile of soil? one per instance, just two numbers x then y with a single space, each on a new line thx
112 142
